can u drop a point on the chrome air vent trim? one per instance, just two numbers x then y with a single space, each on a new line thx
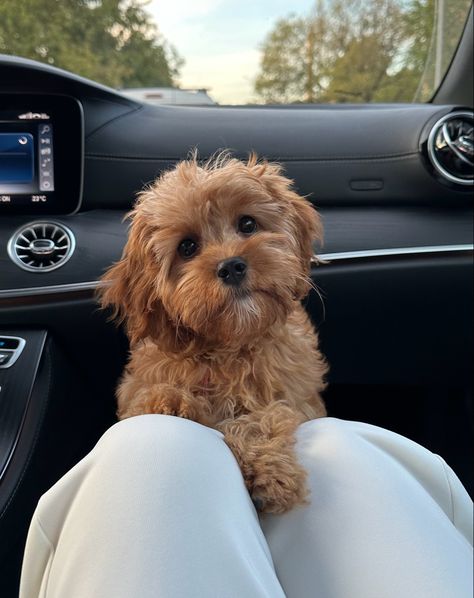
41 246
450 147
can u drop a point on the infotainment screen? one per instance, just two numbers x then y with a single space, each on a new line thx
40 154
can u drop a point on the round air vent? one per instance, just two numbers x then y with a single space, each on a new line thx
41 246
451 147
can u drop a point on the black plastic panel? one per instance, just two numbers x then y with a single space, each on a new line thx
398 321
16 384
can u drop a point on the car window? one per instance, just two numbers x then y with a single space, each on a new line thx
223 52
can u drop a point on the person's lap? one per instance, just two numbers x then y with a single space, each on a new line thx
380 520
159 508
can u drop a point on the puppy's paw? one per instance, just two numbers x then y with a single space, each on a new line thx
173 402
165 399
278 486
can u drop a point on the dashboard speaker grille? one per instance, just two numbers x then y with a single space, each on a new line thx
41 246
451 147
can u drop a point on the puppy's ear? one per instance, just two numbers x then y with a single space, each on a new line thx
308 228
129 287
305 221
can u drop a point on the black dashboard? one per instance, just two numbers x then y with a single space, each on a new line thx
366 168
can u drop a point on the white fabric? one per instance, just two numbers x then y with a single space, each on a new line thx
159 509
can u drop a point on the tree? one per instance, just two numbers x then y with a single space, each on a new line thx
293 64
356 51
112 41
339 52
361 72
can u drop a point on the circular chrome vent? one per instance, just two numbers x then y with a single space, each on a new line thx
41 246
451 147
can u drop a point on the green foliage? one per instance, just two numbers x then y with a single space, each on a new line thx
357 51
111 41
283 77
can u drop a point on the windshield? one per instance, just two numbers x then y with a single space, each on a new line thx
247 52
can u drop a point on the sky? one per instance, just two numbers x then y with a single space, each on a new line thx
220 40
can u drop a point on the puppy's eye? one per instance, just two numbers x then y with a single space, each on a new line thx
247 225
187 248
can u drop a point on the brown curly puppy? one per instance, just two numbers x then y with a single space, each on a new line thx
209 285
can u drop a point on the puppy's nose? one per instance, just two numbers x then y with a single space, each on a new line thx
232 271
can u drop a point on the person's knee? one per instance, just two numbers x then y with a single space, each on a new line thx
167 457
328 432
329 444
148 440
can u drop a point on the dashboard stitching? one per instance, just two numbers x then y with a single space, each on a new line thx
116 118
379 158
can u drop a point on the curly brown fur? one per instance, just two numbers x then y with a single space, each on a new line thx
244 359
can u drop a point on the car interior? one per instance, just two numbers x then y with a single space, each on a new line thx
393 306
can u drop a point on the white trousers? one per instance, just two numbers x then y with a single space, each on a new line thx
159 509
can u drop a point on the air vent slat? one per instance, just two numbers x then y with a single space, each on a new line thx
34 247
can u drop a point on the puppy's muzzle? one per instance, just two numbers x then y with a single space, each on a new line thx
232 271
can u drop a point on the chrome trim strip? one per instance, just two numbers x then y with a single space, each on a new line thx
396 251
324 257
49 290
83 157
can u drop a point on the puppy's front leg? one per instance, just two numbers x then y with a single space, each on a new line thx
162 399
263 444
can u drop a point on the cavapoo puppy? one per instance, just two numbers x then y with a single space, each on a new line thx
209 287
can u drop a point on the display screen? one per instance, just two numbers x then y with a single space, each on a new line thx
17 161
40 154
26 158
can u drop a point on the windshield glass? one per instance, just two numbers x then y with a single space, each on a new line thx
265 52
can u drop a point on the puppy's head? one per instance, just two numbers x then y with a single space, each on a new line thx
217 252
